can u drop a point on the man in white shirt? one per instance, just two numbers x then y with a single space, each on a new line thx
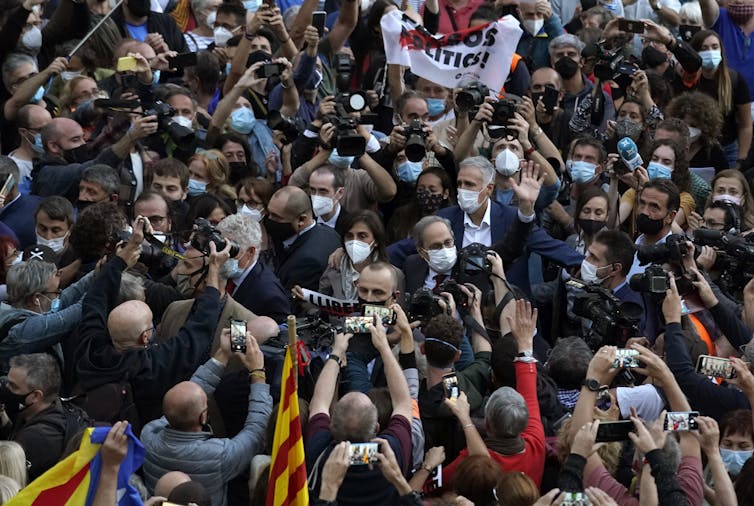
326 188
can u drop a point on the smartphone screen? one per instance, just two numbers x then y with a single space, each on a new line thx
358 324
609 432
363 453
9 182
126 64
318 22
237 335
630 26
386 314
715 367
625 359
683 420
550 98
450 386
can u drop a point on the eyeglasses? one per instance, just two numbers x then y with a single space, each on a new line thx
253 204
449 243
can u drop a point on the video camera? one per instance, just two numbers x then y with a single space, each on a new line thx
735 259
613 320
179 134
655 281
612 65
204 234
672 250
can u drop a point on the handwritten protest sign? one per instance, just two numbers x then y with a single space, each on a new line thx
481 53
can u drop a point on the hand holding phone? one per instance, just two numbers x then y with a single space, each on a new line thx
237 336
318 22
450 386
610 432
630 25
715 367
126 64
363 453
681 420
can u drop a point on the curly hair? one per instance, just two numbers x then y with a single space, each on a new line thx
681 175
96 231
704 112
218 171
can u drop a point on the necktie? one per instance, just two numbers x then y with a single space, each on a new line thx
230 287
439 278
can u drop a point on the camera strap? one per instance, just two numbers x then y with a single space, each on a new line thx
163 247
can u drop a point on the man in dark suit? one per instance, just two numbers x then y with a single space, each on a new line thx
251 283
17 210
478 219
436 255
302 246
326 187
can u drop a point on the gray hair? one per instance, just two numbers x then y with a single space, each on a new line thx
506 413
421 226
131 288
199 5
12 62
8 489
27 278
42 372
242 230
353 420
692 11
482 164
566 40
103 175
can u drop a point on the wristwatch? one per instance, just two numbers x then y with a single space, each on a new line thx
336 359
592 384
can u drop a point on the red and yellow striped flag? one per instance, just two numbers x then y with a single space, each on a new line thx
287 485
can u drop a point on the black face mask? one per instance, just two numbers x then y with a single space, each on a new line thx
14 404
238 170
78 154
591 227
83 204
649 226
278 231
139 8
652 57
566 67
429 203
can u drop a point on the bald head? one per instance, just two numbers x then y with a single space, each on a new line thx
33 117
185 407
169 481
61 134
130 325
291 204
545 76
263 328
354 419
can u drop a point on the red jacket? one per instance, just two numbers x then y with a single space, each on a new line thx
532 460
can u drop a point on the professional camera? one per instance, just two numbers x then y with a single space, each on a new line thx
354 101
502 113
672 250
204 233
164 112
343 66
424 305
269 69
735 259
612 65
290 127
415 139
454 289
654 280
613 321
474 267
471 96
151 251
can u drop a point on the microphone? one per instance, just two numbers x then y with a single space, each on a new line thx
629 153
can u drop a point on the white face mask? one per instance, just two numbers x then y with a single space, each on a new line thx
442 260
253 213
32 39
183 121
211 17
358 251
55 245
222 36
733 199
533 26
468 200
322 205
589 272
507 162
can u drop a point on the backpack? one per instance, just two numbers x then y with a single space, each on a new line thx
110 403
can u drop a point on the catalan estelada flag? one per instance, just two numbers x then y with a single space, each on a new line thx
73 481
287 486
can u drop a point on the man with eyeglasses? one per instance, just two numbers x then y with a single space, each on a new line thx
436 254
154 207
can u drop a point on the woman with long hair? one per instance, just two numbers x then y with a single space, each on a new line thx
434 190
729 89
208 173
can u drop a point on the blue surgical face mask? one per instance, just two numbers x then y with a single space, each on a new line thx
436 106
342 162
251 5
711 59
230 269
38 95
242 120
315 80
155 76
227 68
582 172
196 187
734 460
658 171
409 171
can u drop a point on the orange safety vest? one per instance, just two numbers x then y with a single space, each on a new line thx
514 63
703 334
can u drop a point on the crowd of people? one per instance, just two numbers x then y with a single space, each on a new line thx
552 279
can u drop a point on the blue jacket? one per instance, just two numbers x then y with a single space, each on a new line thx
501 219
19 216
535 49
